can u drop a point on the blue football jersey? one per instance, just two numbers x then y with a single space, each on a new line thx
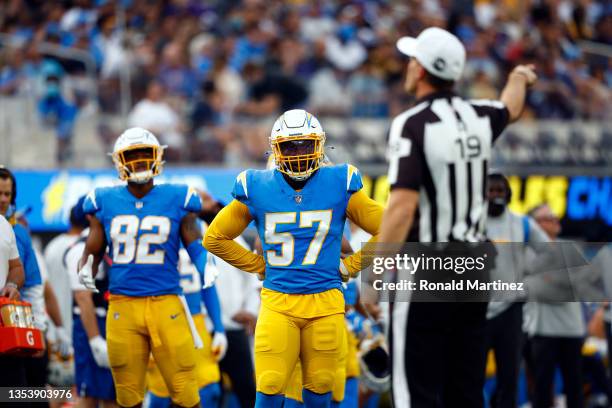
351 293
301 231
143 235
27 255
191 282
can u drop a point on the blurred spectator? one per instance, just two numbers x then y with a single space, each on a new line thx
174 72
552 96
56 110
556 332
156 115
270 93
368 93
343 49
328 93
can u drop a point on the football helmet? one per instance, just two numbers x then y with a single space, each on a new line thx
60 370
297 141
375 364
138 155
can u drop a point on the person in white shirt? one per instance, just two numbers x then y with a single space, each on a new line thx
12 277
556 331
11 270
505 317
239 296
155 114
58 277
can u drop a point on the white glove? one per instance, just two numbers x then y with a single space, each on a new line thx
86 275
99 351
210 275
63 342
219 345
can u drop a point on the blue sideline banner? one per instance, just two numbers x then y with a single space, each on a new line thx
48 196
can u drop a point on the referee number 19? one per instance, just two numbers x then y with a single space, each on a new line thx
469 147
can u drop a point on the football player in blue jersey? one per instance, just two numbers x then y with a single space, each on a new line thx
214 348
143 224
299 209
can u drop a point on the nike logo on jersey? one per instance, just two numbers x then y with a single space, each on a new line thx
174 316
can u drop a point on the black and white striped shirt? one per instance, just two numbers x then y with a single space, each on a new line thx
441 148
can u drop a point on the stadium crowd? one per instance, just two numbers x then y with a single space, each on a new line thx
207 77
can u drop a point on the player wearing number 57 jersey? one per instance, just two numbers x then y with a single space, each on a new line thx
143 225
299 209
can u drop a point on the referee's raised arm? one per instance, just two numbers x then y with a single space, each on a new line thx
439 152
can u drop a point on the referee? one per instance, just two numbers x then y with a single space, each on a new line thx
439 151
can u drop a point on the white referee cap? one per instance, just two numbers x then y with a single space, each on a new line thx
437 50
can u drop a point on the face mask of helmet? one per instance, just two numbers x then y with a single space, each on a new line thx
298 158
138 165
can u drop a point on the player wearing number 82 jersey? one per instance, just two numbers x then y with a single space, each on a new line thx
299 209
143 225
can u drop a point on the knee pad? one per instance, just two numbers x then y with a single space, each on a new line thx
270 382
322 381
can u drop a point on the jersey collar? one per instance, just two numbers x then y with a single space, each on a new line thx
436 95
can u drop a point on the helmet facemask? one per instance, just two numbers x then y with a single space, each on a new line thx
298 156
139 163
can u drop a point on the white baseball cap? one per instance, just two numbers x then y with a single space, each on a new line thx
437 50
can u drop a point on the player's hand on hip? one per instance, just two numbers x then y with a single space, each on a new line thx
86 275
219 345
528 71
99 351
344 272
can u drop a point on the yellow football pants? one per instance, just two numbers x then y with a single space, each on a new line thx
280 339
349 369
139 326
206 367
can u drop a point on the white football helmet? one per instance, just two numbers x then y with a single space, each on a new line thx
138 155
297 142
60 371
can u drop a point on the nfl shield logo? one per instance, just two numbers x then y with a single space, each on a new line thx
298 199
139 205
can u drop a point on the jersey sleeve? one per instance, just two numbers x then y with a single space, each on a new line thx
406 157
496 111
241 190
71 259
28 258
91 203
353 179
191 200
13 251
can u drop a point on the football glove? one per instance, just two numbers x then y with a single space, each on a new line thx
219 345
86 275
63 342
210 276
99 351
